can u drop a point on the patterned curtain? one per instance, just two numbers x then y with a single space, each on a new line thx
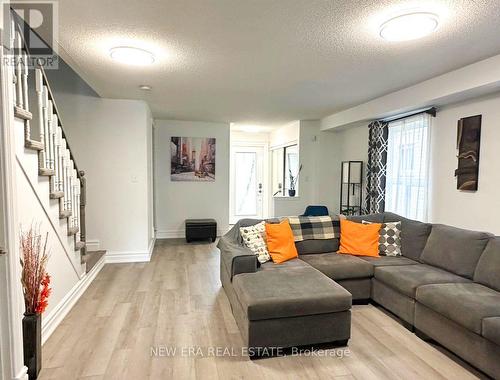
377 166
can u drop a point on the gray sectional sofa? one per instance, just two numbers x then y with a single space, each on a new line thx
445 287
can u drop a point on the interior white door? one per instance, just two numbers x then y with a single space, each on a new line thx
247 183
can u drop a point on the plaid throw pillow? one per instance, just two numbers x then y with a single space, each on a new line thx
314 227
389 242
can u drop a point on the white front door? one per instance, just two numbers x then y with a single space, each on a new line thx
247 183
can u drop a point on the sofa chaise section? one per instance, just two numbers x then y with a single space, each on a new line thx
351 272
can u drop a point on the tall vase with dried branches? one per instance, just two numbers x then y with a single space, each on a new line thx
35 283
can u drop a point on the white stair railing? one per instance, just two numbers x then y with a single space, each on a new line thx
18 44
56 179
67 183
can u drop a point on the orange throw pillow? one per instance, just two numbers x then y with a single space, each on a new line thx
359 239
280 242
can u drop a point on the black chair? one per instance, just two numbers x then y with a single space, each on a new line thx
316 211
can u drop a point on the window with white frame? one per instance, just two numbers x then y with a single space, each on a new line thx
407 181
285 162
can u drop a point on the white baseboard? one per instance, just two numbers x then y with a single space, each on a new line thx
127 257
170 234
177 234
93 245
50 323
151 246
22 374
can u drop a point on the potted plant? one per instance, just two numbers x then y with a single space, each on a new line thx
293 181
35 283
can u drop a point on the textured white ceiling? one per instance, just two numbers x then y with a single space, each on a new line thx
267 61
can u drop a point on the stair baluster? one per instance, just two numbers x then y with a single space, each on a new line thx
72 218
75 209
46 130
41 123
57 173
13 44
70 183
50 121
83 203
20 90
60 182
53 147
49 130
24 88
64 178
19 82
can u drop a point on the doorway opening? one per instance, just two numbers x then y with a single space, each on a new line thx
249 177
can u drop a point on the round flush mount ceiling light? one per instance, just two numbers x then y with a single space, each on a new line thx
145 87
132 56
410 26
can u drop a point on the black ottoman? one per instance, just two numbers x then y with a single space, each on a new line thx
197 229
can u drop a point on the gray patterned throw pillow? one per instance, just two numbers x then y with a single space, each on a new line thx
389 242
254 238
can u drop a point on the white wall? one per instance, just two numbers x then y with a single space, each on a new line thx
327 176
473 210
150 174
353 146
285 135
250 137
111 142
317 182
177 201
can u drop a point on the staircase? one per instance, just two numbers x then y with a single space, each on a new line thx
55 158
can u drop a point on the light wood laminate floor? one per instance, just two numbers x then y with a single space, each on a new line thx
176 300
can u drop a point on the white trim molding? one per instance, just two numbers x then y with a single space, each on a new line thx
180 234
152 246
22 374
170 234
11 311
127 257
117 257
50 323
93 245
